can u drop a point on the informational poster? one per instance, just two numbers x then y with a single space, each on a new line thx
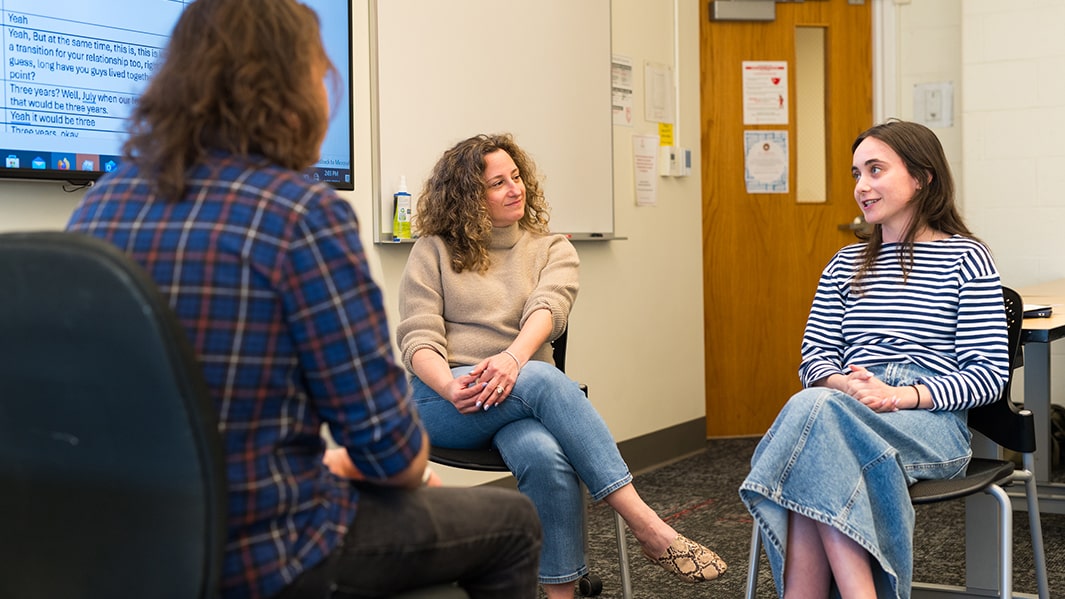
765 92
645 169
660 95
766 161
621 89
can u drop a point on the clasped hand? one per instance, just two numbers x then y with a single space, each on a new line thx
488 384
338 460
871 391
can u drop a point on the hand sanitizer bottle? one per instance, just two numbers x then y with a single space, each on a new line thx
401 212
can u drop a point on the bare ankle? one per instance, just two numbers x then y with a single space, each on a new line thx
560 591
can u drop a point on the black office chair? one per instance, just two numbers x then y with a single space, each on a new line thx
110 462
1013 429
489 460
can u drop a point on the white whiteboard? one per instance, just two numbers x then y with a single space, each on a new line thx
539 69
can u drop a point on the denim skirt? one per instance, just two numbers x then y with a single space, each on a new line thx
832 459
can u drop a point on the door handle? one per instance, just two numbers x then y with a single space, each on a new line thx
858 225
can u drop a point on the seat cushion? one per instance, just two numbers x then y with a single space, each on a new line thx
981 474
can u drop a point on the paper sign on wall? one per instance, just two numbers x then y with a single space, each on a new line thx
765 92
665 134
765 167
621 89
645 169
659 93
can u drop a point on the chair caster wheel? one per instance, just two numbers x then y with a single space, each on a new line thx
590 585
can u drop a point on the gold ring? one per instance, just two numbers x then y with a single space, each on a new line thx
499 389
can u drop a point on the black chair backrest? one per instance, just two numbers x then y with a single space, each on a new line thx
558 349
111 466
1001 421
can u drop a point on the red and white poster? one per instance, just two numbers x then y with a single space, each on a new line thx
765 92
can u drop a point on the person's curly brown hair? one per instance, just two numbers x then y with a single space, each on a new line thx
453 204
236 76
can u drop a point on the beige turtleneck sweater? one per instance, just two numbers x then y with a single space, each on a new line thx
468 316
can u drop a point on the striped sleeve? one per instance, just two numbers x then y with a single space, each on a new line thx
823 343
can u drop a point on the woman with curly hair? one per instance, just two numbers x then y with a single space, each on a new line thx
485 291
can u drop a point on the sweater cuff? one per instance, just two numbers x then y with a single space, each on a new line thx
408 356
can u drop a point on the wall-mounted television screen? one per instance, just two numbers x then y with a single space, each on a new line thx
72 70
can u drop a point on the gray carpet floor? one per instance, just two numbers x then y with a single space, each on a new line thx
698 496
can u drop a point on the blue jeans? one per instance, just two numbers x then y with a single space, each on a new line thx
486 539
830 458
551 438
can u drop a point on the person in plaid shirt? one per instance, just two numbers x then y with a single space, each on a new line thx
266 271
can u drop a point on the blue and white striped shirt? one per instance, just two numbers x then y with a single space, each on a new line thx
947 315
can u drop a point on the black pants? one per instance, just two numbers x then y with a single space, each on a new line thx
486 539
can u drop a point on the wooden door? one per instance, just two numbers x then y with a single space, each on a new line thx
763 253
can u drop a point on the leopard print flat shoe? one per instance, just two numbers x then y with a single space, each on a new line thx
690 561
